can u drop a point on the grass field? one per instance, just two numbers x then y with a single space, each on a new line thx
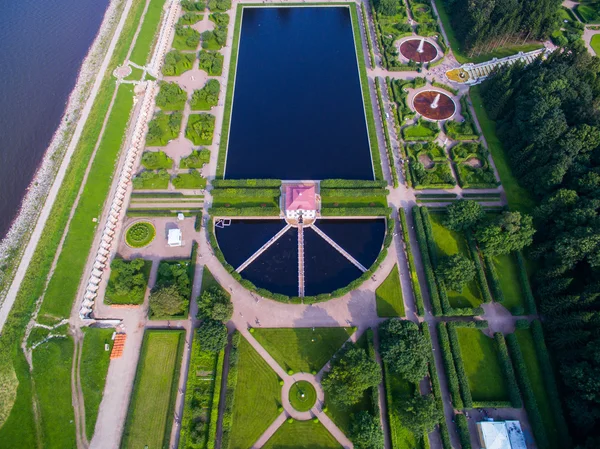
389 296
510 282
447 243
208 280
52 363
145 40
20 430
480 359
257 398
69 269
150 413
302 435
518 198
302 349
595 44
398 390
94 368
534 371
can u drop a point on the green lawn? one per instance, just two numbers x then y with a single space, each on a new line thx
595 43
447 243
150 413
419 132
302 435
146 38
482 366
453 41
588 13
52 364
135 75
93 371
534 371
518 198
69 269
257 398
398 390
191 180
508 50
510 282
302 349
208 280
303 396
389 296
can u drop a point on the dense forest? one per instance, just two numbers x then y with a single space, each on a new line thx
481 25
548 120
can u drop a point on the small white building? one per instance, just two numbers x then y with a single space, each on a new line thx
174 237
501 435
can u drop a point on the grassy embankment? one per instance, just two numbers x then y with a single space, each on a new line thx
20 429
150 413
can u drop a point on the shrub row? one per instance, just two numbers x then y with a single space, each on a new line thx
214 407
245 211
463 431
477 324
550 383
429 236
160 212
245 192
414 278
445 87
483 286
509 374
492 404
530 306
461 374
375 211
436 389
427 268
448 358
493 278
531 405
368 34
352 184
386 134
231 386
248 183
353 193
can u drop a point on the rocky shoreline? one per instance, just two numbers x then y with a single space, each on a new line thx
15 241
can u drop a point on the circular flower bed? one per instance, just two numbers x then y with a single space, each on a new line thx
140 234
303 396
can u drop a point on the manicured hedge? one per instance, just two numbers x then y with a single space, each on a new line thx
507 368
531 405
530 306
461 374
353 193
245 192
368 34
249 183
374 391
414 278
214 410
376 211
232 377
550 383
245 211
386 134
436 388
445 87
493 278
453 384
462 427
483 286
351 184
427 267
160 212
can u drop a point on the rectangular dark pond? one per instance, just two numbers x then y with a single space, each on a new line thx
298 109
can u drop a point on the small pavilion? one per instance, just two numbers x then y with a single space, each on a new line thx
300 201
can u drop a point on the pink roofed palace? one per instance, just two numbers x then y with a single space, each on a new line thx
300 200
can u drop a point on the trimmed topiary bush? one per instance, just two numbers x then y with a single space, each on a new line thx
140 234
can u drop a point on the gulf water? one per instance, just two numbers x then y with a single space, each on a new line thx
42 46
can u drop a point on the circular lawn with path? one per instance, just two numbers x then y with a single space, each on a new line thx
140 234
303 396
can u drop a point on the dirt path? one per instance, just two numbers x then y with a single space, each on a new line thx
77 391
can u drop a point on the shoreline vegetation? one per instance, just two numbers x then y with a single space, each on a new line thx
13 245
